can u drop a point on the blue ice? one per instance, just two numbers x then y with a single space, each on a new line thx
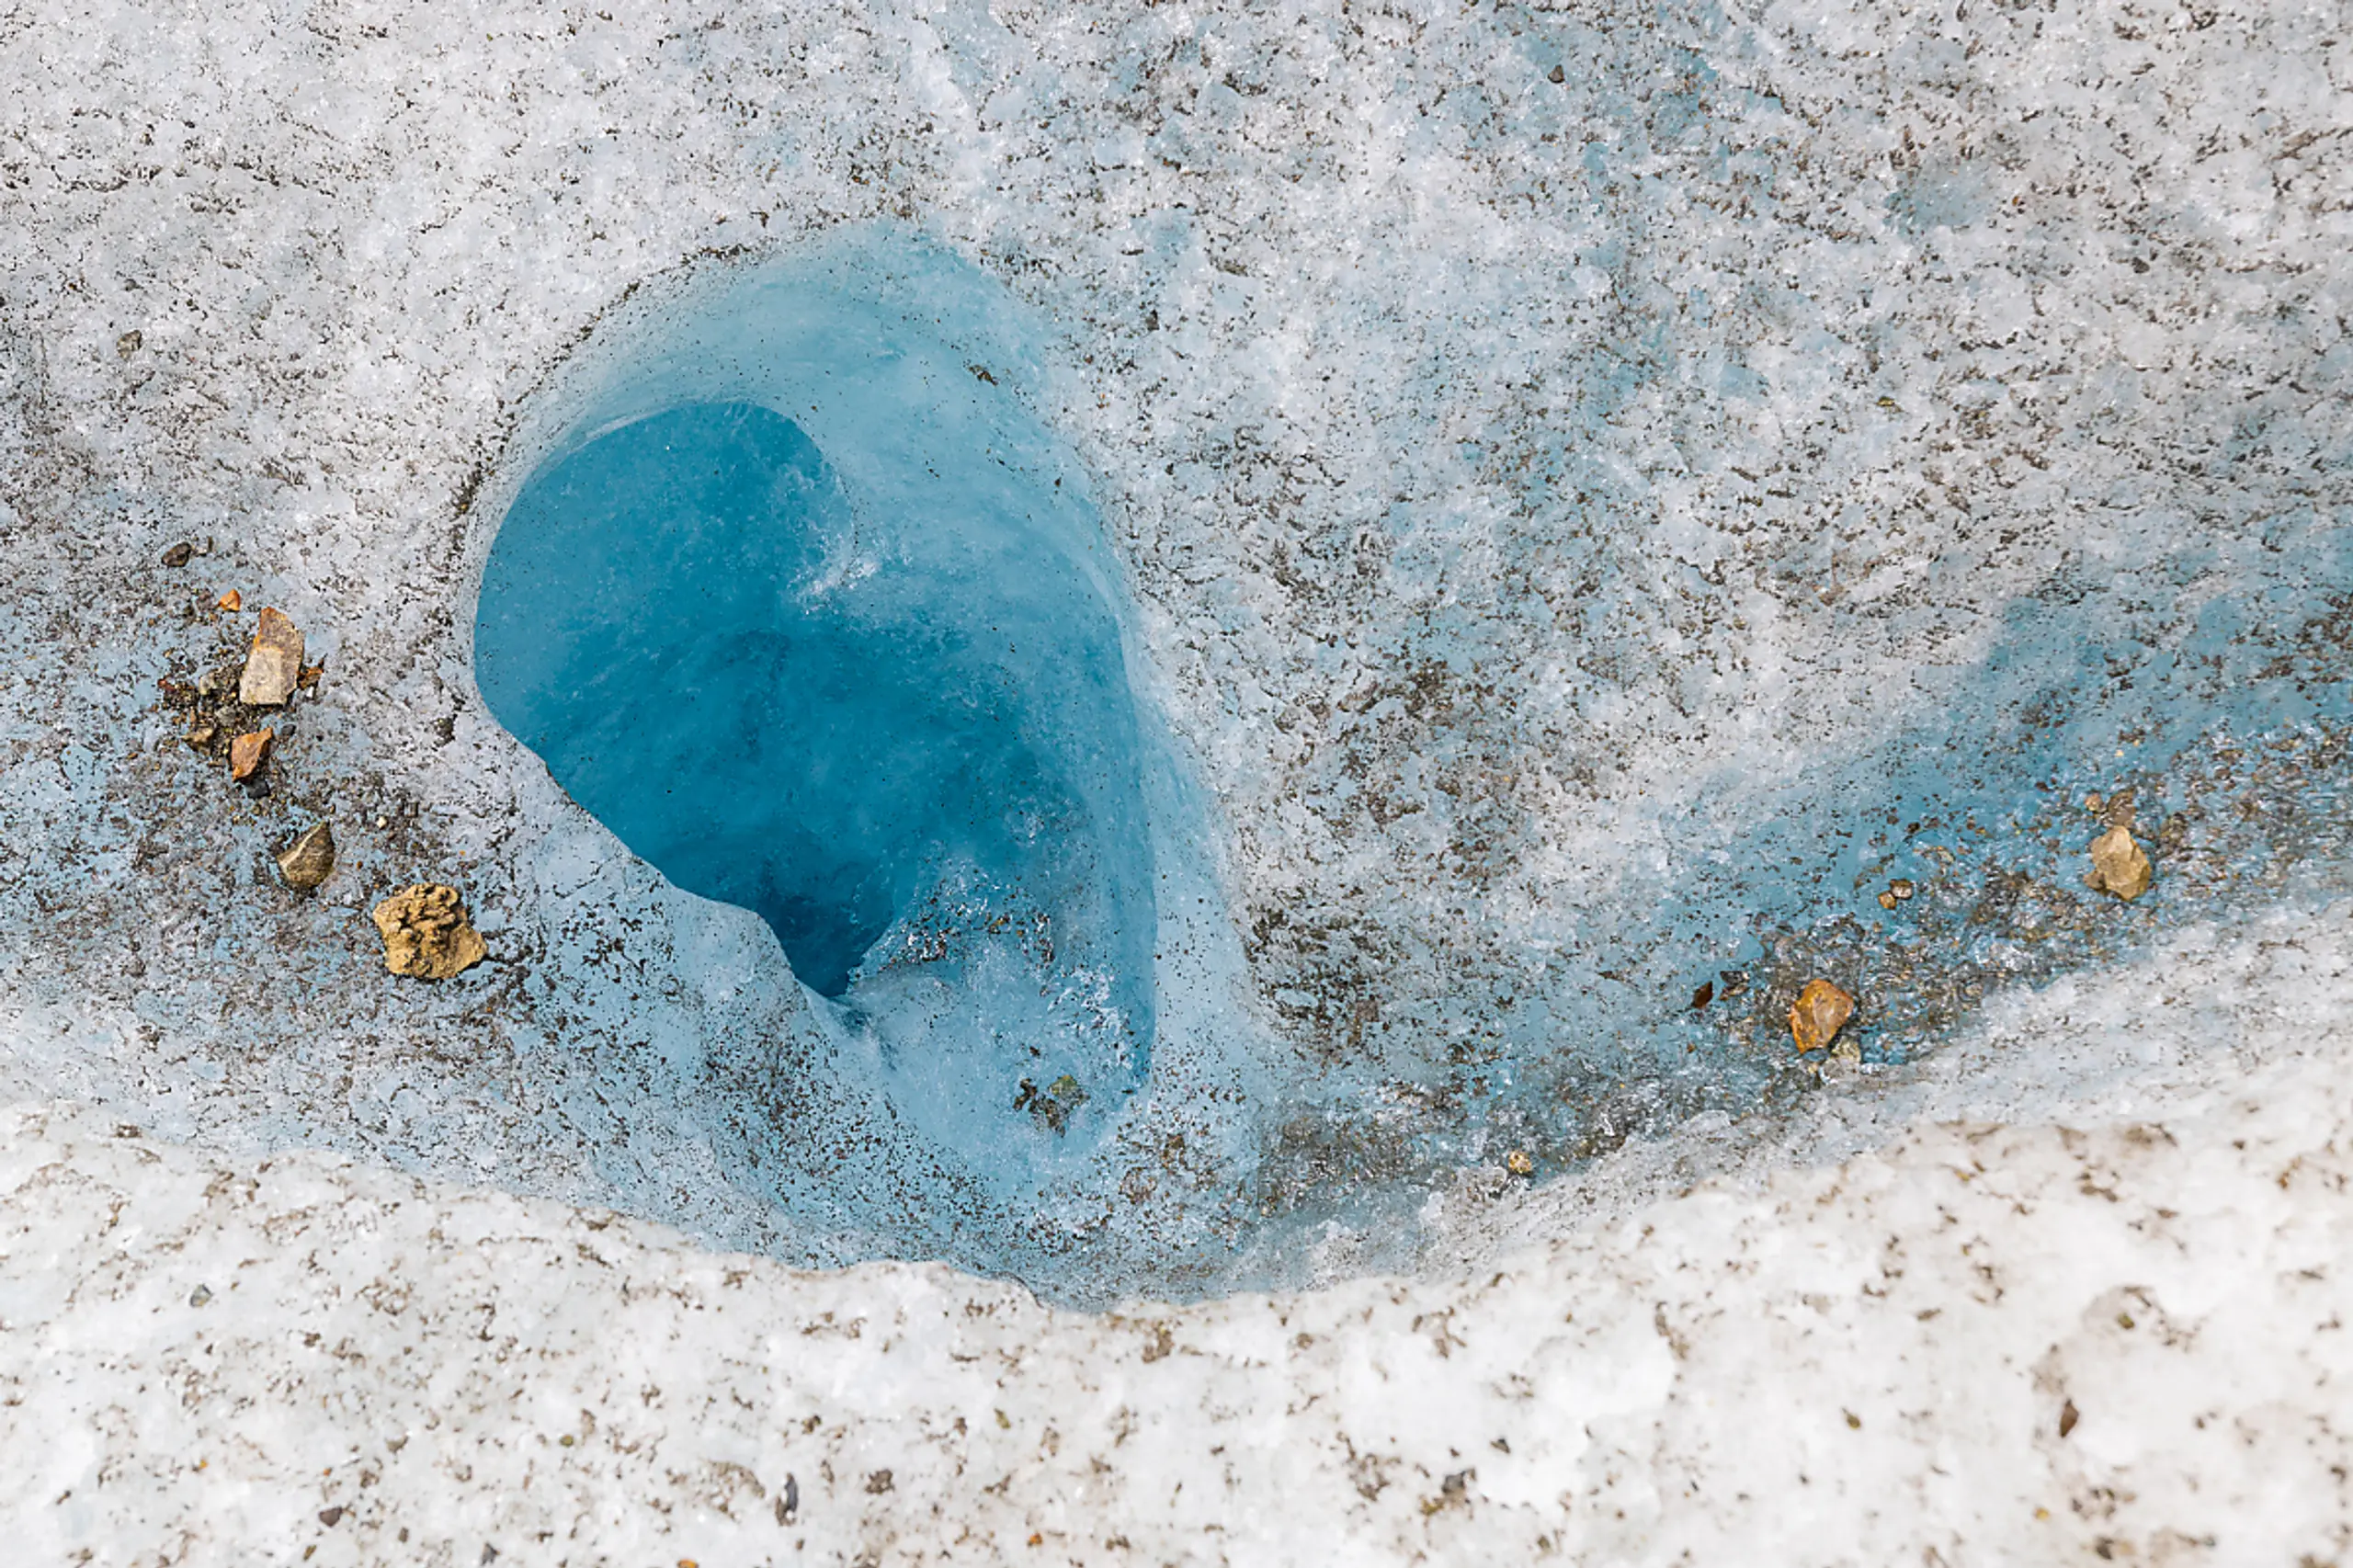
906 743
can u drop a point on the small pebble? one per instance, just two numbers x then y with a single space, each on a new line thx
1821 1010
247 753
177 555
2119 866
1901 887
1518 1163
1556 75
426 933
1887 900
231 600
274 663
126 346
305 863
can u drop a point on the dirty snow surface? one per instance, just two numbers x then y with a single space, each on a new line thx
1610 513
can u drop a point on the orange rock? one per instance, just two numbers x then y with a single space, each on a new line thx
247 753
273 664
1819 1013
2119 866
231 600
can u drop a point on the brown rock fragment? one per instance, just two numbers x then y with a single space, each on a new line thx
2119 866
274 663
231 600
247 753
1818 1014
307 861
427 934
177 555
1519 1163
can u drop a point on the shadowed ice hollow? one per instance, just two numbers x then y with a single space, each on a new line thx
905 741
802 607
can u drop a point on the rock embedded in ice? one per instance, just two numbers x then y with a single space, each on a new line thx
426 933
1821 1010
232 601
306 862
274 665
2119 866
1054 1106
248 752
178 554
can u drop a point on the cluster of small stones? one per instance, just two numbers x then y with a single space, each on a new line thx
426 929
2120 867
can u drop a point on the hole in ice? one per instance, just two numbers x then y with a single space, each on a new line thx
900 763
800 603
910 751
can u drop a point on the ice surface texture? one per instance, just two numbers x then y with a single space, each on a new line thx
875 689
1563 521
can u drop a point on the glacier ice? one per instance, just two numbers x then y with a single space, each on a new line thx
1569 542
